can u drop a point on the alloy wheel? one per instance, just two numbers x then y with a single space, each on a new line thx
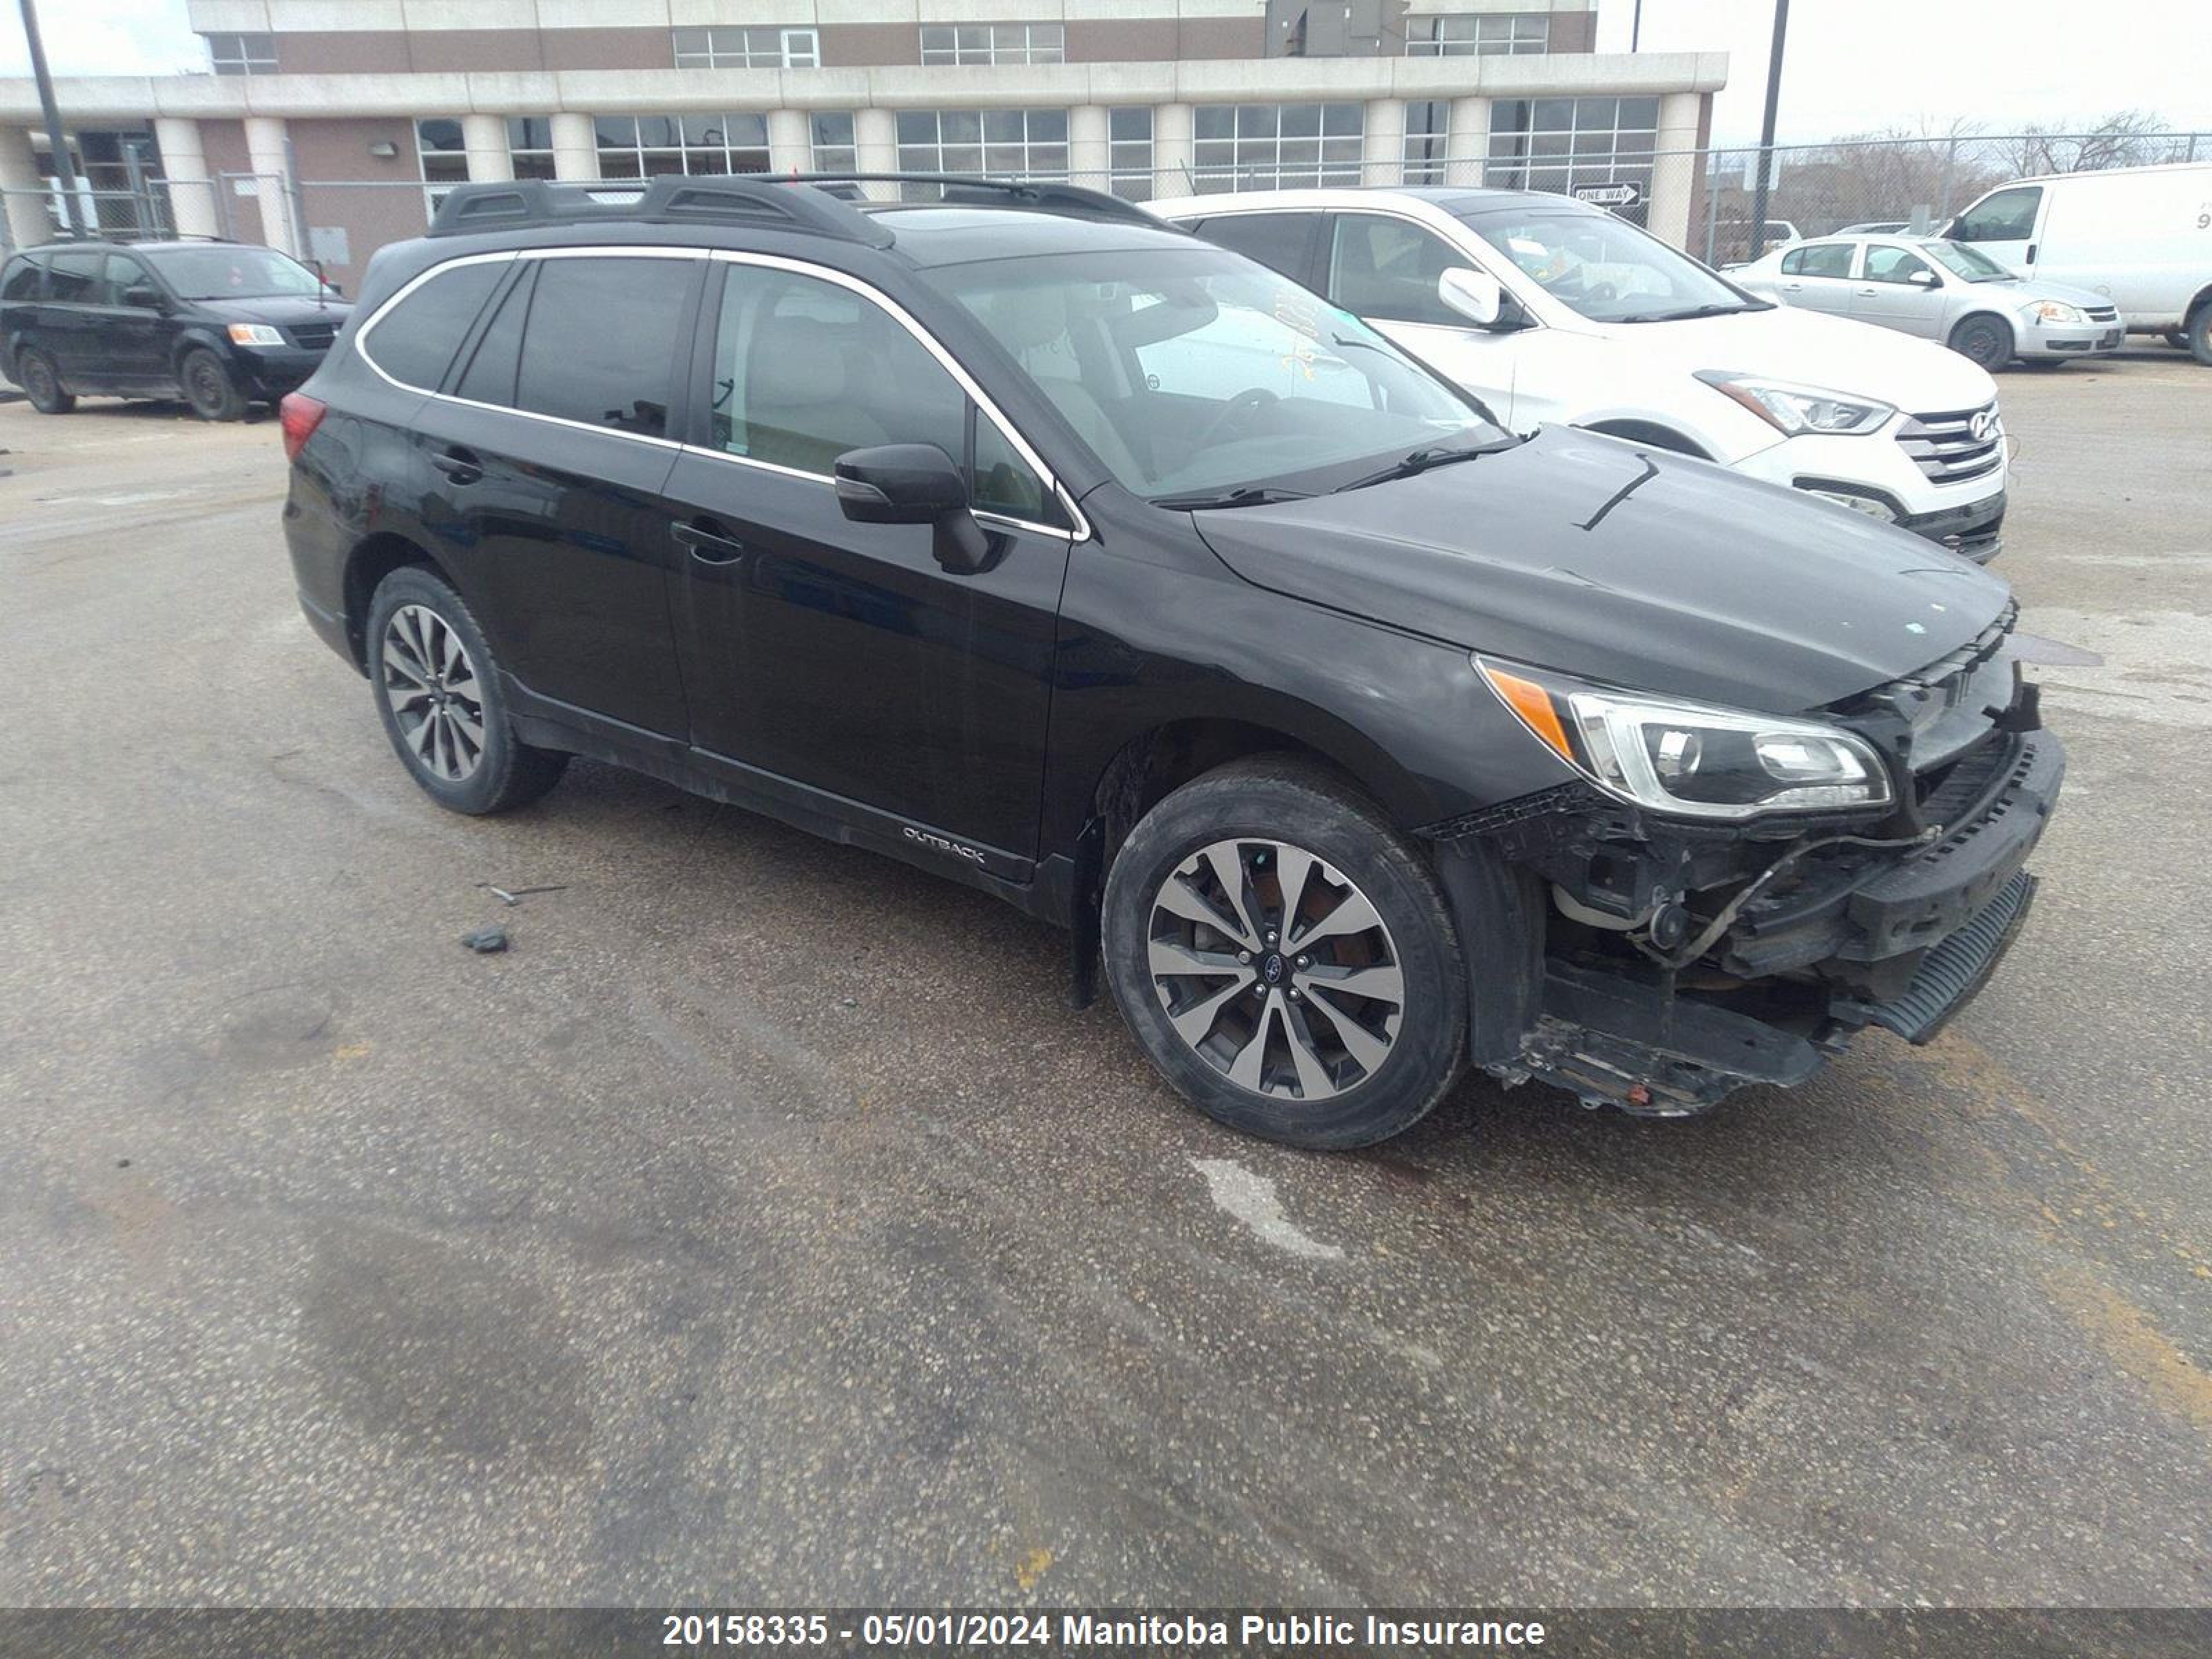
1275 968
434 695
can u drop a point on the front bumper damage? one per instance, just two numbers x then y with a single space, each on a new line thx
1680 962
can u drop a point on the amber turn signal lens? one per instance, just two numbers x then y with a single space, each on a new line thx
1534 705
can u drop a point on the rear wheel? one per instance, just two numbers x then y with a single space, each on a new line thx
1285 957
1985 341
438 694
35 374
208 387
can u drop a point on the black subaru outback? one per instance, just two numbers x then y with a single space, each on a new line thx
1018 536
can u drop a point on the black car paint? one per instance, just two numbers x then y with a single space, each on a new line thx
136 351
835 676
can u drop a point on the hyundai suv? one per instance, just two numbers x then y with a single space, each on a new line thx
1019 538
217 324
1556 311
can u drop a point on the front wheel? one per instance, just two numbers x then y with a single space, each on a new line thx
438 694
1986 342
35 374
208 387
1286 958
2198 334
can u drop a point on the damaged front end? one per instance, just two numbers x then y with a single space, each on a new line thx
1681 952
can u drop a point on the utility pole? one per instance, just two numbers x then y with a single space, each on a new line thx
64 171
1765 130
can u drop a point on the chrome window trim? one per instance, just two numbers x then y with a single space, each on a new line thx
1080 532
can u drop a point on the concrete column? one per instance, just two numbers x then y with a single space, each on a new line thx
790 145
28 219
269 154
1673 170
575 147
875 138
483 138
1385 155
1089 159
191 189
1468 144
1171 151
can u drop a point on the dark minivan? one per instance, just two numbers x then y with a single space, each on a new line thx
1023 538
217 324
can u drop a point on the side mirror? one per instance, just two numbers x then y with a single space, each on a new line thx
1923 279
914 484
144 295
1476 297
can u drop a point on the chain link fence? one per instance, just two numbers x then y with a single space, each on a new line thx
1702 201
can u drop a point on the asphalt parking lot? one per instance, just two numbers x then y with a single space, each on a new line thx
762 1228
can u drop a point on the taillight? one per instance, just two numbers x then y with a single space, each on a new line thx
299 415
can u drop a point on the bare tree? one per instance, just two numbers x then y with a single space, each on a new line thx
2127 138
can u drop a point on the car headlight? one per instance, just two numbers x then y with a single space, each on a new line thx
2055 310
254 334
1689 759
1795 409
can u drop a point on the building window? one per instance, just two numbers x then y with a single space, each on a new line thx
994 43
1276 146
830 143
1488 34
444 159
1428 128
242 54
1568 144
646 146
1024 143
1129 152
769 47
530 145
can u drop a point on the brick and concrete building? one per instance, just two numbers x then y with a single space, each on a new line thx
329 127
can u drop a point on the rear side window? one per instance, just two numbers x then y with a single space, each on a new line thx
490 377
600 343
2007 216
76 278
415 341
1822 259
19 281
1281 241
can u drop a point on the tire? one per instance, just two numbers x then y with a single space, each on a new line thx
2199 333
42 385
1361 1074
1986 342
436 681
208 387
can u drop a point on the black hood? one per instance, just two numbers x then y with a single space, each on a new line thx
281 309
1634 566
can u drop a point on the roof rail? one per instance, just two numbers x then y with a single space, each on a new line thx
760 199
1042 195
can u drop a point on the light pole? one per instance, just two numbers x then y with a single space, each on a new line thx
65 172
1765 130
1636 26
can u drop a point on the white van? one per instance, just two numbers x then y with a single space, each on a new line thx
2140 236
1554 312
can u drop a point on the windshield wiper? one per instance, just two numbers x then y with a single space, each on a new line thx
1689 311
1242 496
1421 460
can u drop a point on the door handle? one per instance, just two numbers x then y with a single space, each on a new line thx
707 543
1793 287
1868 293
459 465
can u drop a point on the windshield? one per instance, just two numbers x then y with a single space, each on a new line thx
234 273
1961 260
1198 372
1607 269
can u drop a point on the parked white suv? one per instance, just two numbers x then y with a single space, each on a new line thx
1553 312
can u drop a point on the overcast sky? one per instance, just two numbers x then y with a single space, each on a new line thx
1852 64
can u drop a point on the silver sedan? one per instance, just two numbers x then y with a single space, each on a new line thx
1947 291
